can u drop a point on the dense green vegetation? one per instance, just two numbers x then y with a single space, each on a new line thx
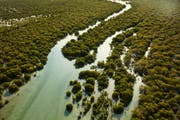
69 107
80 49
76 87
90 80
100 109
123 84
89 88
13 88
87 107
63 8
102 82
154 23
160 29
68 93
156 26
87 73
118 108
26 44
123 80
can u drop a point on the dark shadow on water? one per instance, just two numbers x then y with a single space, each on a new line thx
66 113
66 97
117 116
7 93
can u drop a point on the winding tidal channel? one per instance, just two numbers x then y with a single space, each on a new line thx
43 98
